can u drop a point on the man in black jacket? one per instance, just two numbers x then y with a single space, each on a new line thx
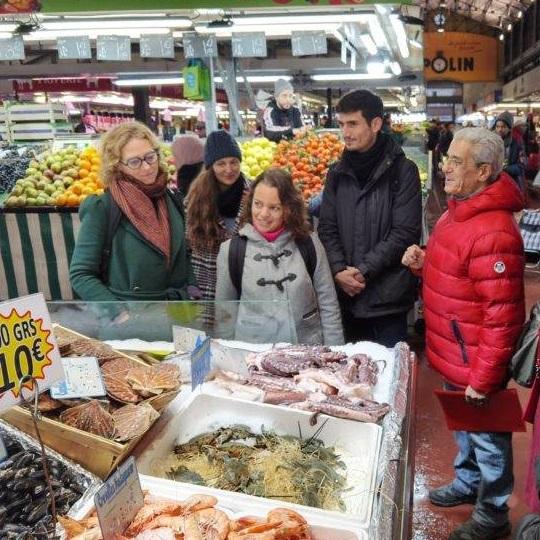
371 210
281 119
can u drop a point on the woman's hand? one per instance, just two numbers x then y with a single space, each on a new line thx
414 257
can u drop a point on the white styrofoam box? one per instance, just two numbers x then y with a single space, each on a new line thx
235 506
357 443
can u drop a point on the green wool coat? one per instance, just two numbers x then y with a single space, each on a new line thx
137 270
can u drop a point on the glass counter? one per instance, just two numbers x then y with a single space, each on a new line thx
253 322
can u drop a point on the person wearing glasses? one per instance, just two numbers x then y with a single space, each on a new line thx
145 257
472 272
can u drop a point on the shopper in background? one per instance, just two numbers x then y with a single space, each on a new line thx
85 125
472 273
445 139
215 203
371 211
514 158
188 151
200 130
281 119
433 133
274 268
146 258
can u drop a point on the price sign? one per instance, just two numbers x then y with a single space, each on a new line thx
12 49
74 47
308 43
27 348
200 362
113 48
118 500
156 46
82 379
199 46
249 44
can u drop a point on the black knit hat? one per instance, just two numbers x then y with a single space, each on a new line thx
219 145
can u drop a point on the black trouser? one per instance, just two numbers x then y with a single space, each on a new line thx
386 330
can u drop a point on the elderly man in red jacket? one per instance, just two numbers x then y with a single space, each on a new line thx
472 274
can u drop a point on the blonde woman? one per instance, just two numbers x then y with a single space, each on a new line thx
131 244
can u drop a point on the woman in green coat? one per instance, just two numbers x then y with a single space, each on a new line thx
148 257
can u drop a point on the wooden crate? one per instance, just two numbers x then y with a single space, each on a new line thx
96 454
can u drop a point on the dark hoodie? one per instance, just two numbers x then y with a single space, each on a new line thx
514 157
279 123
369 225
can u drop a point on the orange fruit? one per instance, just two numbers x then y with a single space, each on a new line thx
87 191
76 188
72 200
83 173
85 164
61 200
94 168
95 160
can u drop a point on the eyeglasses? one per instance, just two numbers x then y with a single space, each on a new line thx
136 162
455 162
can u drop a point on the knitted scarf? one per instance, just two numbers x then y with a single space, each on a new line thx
146 208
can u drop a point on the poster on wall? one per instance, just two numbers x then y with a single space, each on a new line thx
460 57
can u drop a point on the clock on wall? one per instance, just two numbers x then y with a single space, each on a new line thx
439 19
439 63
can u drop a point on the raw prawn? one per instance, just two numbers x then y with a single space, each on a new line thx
207 524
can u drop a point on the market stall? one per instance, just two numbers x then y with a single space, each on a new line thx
372 459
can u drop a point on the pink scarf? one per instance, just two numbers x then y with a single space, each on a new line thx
272 235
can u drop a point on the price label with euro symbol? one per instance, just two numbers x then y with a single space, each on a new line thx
29 356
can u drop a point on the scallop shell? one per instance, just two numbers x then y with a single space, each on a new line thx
90 417
131 421
152 381
114 376
46 403
92 347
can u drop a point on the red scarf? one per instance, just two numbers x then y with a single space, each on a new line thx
146 208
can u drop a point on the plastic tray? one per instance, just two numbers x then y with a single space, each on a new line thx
235 506
202 413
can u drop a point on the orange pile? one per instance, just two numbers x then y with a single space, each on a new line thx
307 159
88 181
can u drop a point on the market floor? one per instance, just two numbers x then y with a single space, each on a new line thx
435 452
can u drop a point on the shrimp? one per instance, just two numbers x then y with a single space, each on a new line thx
207 524
245 522
149 512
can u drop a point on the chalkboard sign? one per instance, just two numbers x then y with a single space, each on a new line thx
199 46
74 47
157 46
12 48
116 48
249 44
308 43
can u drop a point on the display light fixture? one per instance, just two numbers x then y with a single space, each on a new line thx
107 25
377 33
375 68
401 35
396 68
350 76
168 81
501 37
369 44
509 27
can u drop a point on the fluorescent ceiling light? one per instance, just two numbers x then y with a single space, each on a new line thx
103 16
52 35
281 30
509 27
415 44
350 76
302 19
375 68
106 25
164 81
381 9
377 33
8 27
396 68
369 44
401 35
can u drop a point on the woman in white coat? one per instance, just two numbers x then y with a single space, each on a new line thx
276 257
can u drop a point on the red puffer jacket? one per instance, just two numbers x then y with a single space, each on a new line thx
473 287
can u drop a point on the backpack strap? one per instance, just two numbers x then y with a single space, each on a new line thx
237 254
115 215
307 250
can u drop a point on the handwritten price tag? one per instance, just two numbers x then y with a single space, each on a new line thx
27 348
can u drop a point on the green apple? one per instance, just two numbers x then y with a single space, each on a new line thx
31 201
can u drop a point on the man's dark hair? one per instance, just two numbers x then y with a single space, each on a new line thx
364 101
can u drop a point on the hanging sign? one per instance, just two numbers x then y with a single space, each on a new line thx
27 348
249 45
113 48
12 49
459 56
156 46
308 43
199 46
74 48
